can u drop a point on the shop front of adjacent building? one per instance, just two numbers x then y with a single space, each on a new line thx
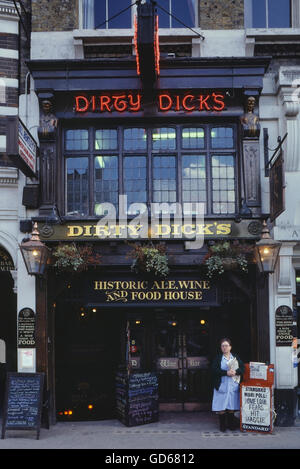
103 136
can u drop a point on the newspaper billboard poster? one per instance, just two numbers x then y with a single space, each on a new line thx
256 408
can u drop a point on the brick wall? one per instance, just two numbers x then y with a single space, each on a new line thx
56 15
221 14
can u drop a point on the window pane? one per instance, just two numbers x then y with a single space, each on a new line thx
222 137
77 185
124 19
164 138
135 139
163 17
223 193
279 13
114 7
164 179
106 139
106 182
192 137
135 180
193 179
77 139
100 13
258 13
185 11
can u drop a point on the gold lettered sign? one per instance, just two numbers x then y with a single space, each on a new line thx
179 291
96 231
6 262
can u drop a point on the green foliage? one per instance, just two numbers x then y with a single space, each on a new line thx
72 258
150 261
227 256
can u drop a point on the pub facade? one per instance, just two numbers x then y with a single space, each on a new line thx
153 195
107 135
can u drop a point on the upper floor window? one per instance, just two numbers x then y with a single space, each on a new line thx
169 164
184 10
268 13
103 14
118 14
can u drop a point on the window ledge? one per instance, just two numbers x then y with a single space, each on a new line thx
84 38
103 34
275 34
273 41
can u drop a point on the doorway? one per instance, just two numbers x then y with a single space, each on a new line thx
182 342
87 350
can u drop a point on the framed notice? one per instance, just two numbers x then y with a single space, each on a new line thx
284 324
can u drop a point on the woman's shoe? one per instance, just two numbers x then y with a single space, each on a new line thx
231 424
222 421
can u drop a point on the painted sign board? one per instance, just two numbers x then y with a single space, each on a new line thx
115 229
284 324
21 147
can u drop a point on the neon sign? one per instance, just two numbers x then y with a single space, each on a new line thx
189 102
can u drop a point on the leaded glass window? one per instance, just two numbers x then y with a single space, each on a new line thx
77 186
185 164
164 179
106 182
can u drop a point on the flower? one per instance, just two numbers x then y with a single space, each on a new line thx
150 260
70 258
227 256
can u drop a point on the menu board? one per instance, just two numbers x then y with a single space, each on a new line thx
137 398
23 402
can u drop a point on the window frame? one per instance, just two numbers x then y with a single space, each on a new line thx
82 20
208 151
248 15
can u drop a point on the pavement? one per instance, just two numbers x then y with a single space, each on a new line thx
174 431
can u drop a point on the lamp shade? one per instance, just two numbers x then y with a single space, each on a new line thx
266 251
35 254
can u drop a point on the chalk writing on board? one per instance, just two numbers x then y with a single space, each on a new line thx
137 398
23 401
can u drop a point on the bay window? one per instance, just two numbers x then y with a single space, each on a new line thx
169 164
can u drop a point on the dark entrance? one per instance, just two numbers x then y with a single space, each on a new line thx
87 350
93 341
8 328
182 360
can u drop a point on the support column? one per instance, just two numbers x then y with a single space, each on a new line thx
47 138
251 160
285 372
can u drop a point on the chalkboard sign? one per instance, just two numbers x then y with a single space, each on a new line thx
23 402
137 398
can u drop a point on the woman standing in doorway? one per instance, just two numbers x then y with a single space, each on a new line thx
227 370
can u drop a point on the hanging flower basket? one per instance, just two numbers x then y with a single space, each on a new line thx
226 256
72 258
150 261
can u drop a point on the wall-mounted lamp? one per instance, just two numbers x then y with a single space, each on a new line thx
266 251
35 254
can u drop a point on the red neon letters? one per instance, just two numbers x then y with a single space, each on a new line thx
192 102
105 103
165 102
